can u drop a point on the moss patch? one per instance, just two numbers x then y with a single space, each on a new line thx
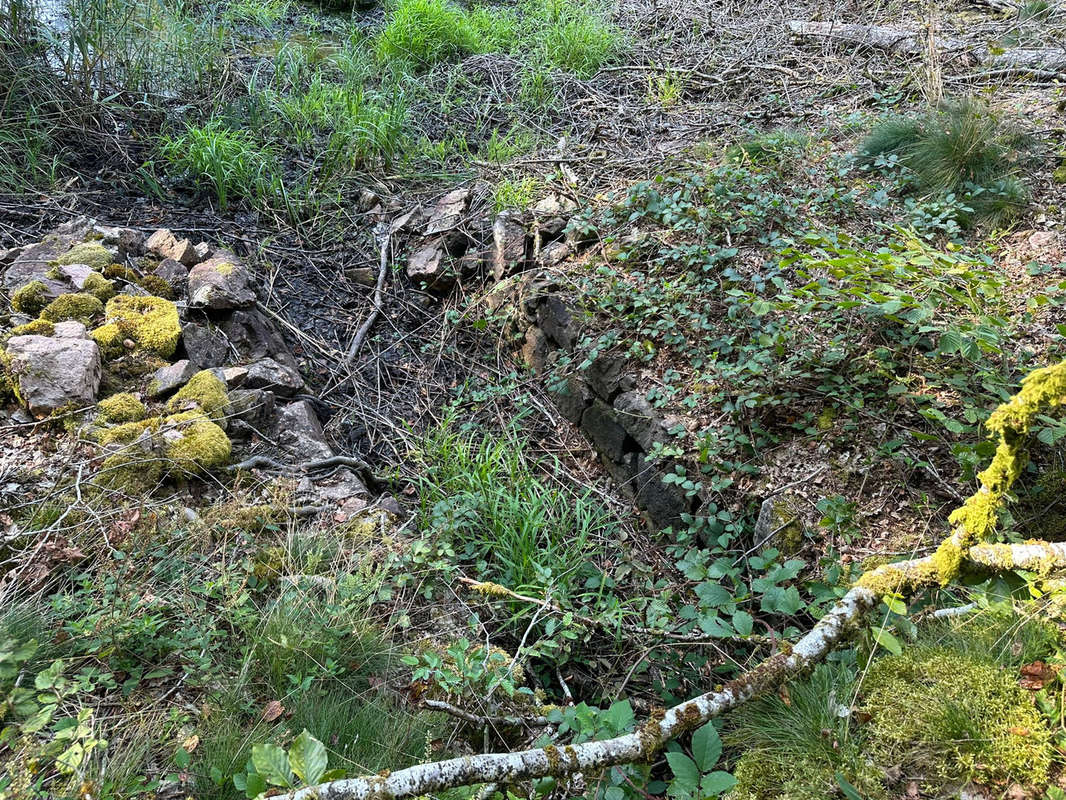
150 322
39 327
99 287
129 431
952 717
31 298
132 472
206 392
195 444
123 407
157 286
90 253
77 306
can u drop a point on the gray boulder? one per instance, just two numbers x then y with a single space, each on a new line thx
298 430
221 283
54 373
269 374
170 378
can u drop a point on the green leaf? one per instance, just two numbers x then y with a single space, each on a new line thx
713 595
849 791
254 786
715 783
706 747
686 774
307 758
888 641
743 622
272 764
895 604
182 758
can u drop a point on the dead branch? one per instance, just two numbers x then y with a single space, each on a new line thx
480 719
379 292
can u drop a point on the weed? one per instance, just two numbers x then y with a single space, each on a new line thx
263 13
515 193
964 149
574 36
774 148
424 32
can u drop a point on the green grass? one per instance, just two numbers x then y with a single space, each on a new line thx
482 497
424 32
773 148
264 13
963 149
518 193
573 36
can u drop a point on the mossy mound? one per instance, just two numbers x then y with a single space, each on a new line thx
120 272
89 253
762 778
150 322
206 392
30 299
39 327
76 306
99 287
129 431
952 718
195 444
120 408
130 472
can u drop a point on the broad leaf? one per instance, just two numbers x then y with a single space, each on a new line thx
715 783
888 641
743 622
686 774
307 758
706 747
272 764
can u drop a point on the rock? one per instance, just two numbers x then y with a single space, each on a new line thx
54 373
173 272
448 213
553 253
252 406
165 244
364 276
76 274
203 251
269 374
571 398
663 503
70 329
254 336
170 378
555 204
606 377
234 376
298 430
205 346
600 424
341 487
535 349
34 261
779 525
128 241
429 266
221 283
637 416
9 255
509 241
553 317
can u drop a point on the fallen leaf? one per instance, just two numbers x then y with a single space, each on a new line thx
273 710
191 743
1036 676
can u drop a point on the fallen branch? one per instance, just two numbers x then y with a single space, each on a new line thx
264 462
480 719
379 294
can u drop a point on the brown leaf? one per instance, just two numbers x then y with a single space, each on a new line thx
1036 676
273 710
191 743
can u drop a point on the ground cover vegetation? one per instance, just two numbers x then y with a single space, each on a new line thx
825 306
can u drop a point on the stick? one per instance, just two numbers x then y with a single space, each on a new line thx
383 269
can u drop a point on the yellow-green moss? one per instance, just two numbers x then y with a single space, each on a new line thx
122 407
200 445
1059 175
151 322
129 431
31 298
77 306
761 776
131 472
109 339
120 271
99 287
90 253
39 327
1042 389
954 717
160 287
204 390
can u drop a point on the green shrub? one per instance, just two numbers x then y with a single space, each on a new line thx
573 36
773 148
963 149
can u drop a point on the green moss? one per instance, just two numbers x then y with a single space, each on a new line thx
119 271
123 407
31 298
109 339
953 717
130 472
1059 175
1042 389
150 322
204 390
99 287
157 286
90 253
77 306
195 444
129 431
39 327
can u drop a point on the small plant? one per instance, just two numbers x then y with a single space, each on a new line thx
964 148
424 32
575 35
695 777
774 148
304 764
518 193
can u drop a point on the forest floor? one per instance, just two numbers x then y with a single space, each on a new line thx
812 328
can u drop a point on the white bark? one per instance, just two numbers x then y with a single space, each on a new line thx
634 747
1036 556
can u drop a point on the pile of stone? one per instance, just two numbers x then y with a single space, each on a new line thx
162 345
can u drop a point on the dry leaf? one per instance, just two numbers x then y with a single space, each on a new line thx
273 710
191 743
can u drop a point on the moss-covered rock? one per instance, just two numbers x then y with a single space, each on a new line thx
31 298
131 472
119 272
121 408
38 327
204 391
157 286
194 444
89 253
77 306
109 339
150 322
129 431
952 717
99 287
